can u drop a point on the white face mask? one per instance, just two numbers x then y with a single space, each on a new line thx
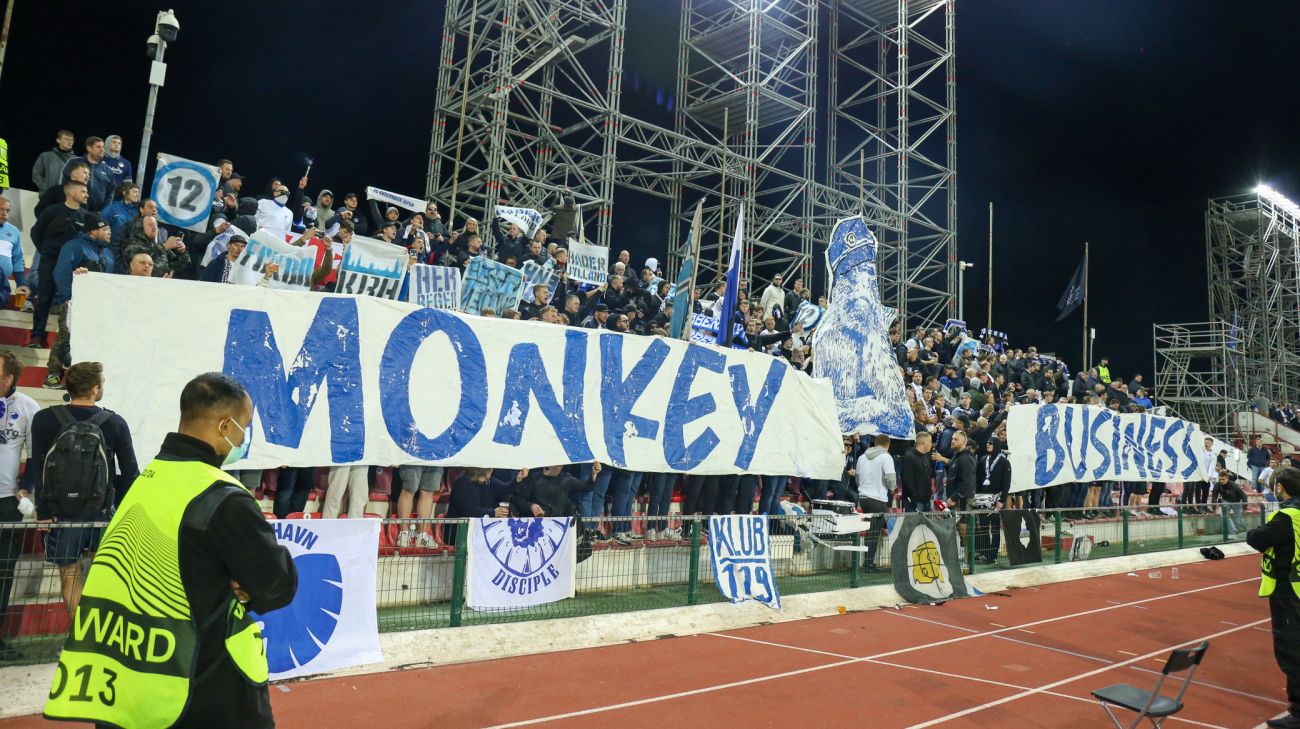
282 199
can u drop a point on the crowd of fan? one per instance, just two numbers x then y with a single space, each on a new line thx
91 216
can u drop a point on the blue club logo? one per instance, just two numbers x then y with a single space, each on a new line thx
297 633
523 547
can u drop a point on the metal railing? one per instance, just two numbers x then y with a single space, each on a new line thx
421 588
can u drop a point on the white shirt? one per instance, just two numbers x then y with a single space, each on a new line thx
1265 476
16 413
1208 462
274 217
871 476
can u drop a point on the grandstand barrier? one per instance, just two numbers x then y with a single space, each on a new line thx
420 589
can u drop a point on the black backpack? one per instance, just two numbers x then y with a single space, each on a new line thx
76 476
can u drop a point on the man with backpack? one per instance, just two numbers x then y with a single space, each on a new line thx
76 450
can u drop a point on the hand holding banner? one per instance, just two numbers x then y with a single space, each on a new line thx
296 263
527 219
489 284
413 204
373 267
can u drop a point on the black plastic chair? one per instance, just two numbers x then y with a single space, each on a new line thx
1151 704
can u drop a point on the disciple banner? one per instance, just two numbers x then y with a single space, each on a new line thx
742 559
333 380
373 268
587 263
434 286
297 263
491 285
851 344
1054 444
331 622
518 563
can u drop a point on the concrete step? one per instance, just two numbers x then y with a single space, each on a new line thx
30 357
15 319
43 397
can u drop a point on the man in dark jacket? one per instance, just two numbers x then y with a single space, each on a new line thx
1257 459
961 474
1276 540
54 227
549 494
101 176
916 474
48 170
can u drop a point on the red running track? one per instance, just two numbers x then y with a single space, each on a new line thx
1030 663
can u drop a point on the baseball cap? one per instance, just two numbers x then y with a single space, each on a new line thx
238 235
91 222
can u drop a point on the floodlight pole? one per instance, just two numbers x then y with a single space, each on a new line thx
4 32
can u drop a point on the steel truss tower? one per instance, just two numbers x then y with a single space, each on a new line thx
893 140
1252 246
537 83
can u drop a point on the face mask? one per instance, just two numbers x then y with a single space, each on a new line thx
237 452
282 199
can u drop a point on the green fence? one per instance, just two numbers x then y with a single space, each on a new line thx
425 588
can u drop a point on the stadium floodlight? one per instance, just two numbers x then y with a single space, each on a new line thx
1268 193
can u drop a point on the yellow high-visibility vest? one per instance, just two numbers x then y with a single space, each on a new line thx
1267 582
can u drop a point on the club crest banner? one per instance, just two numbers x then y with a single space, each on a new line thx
742 559
437 287
851 343
183 191
527 219
588 264
1055 444
519 563
489 284
373 268
924 559
297 263
332 382
331 622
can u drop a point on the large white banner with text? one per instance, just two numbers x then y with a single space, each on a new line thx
518 563
373 268
296 263
359 380
331 622
1054 444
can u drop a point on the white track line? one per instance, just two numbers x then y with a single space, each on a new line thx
1010 640
1078 677
813 669
1220 688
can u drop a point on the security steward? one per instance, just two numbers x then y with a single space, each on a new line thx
162 636
1279 540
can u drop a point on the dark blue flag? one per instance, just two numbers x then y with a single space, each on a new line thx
1073 296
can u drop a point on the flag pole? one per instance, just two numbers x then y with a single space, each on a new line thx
694 253
1085 306
722 201
988 323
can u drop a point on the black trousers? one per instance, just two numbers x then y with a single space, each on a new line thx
45 289
1157 490
875 529
701 495
10 550
1285 611
728 487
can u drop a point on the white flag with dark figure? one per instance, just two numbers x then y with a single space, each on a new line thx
518 563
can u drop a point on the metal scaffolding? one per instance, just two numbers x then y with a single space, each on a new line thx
1252 246
893 141
1198 375
528 101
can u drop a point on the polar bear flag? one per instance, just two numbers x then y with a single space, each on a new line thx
851 343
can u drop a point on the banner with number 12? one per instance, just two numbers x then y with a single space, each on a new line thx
184 192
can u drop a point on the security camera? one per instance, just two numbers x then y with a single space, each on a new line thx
152 45
168 26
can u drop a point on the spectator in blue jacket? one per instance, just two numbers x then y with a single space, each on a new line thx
118 165
11 255
87 252
101 184
124 208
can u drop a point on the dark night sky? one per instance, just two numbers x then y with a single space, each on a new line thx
1109 121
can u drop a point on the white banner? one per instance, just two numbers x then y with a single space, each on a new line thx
489 284
1054 444
518 563
414 204
184 191
331 622
434 286
373 268
538 275
297 263
742 559
333 381
588 263
527 219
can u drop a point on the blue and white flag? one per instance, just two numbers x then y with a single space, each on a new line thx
681 298
519 563
373 268
733 281
851 344
296 263
538 275
588 264
183 191
491 285
414 204
437 287
331 622
742 559
527 219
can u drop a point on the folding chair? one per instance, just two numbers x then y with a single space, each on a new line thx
1150 704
